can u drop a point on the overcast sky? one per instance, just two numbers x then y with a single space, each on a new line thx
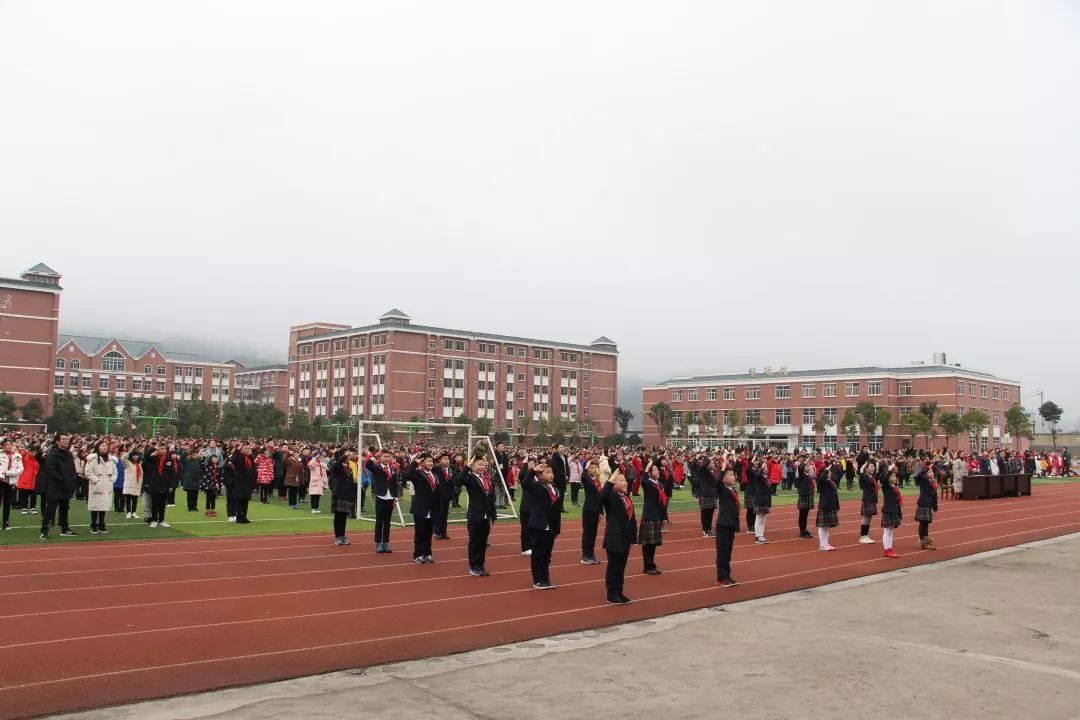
715 185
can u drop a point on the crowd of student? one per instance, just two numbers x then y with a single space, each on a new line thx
729 487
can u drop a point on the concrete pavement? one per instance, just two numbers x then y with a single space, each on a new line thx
996 635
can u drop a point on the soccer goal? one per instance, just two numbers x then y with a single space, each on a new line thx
476 444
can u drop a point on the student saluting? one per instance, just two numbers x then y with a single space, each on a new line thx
544 522
620 534
481 513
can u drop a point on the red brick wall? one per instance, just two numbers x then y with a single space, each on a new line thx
29 323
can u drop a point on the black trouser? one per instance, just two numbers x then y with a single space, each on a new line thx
562 495
211 500
383 508
543 542
50 510
264 494
294 495
524 518
192 500
423 527
315 501
456 498
648 554
750 516
725 540
804 515
590 520
279 483
706 519
171 496
157 505
478 541
118 500
8 496
774 488
575 489
240 506
615 572
130 503
341 519
924 529
230 506
850 484
27 499
82 489
441 515
97 519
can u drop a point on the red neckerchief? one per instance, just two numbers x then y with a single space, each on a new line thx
735 494
247 461
483 482
553 492
660 492
138 472
431 479
161 465
596 482
629 506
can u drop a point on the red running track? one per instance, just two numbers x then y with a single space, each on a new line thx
106 623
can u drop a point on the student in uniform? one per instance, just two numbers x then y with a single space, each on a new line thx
869 485
443 495
891 512
927 505
828 506
806 482
525 509
343 492
727 527
385 490
705 485
620 534
590 513
544 522
762 491
425 487
481 514
650 531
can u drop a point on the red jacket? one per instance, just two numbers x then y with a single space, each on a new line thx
774 472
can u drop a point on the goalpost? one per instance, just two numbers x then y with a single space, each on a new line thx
474 443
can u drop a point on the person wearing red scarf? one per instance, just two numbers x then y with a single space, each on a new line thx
727 526
544 522
590 512
425 486
157 469
481 514
869 485
927 505
620 534
651 528
892 509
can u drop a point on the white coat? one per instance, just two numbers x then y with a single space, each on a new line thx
11 467
100 474
132 478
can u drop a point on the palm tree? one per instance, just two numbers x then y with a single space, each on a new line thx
623 417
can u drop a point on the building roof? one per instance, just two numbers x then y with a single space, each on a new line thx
929 369
394 313
262 368
135 348
603 340
42 269
457 333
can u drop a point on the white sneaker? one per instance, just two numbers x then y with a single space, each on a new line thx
867 540
232 519
153 525
526 552
164 524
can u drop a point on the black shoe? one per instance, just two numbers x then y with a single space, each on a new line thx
614 600
484 572
44 536
624 599
728 582
805 535
653 571
68 533
543 585
243 521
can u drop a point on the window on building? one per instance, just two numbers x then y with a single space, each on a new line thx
905 388
58 381
676 396
73 381
460 345
753 417
830 415
982 391
996 392
851 389
808 416
783 416
873 387
828 390
971 389
121 383
729 393
782 392
136 384
103 382
710 394
60 364
809 391
160 386
959 387
997 417
1006 394
521 395
161 370
753 393
692 395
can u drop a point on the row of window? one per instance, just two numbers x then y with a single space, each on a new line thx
115 362
482 348
781 416
874 388
999 393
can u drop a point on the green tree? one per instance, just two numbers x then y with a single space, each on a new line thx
543 431
482 426
247 431
169 430
866 414
462 435
664 418
1017 423
952 425
386 433
1051 414
69 415
820 427
691 418
914 424
300 426
884 420
195 431
734 424
526 426
32 411
850 423
633 439
8 408
623 418
615 439
929 409
975 421
440 431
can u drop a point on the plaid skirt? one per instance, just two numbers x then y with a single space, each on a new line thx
828 518
762 509
707 503
343 505
869 508
650 532
890 520
924 514
806 502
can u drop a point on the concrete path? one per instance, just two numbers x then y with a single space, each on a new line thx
995 635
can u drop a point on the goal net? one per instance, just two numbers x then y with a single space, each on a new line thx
373 431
